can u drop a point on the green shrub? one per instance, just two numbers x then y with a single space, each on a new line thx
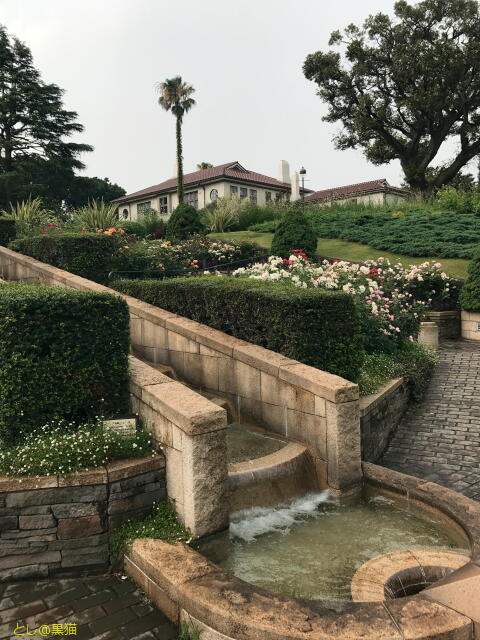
161 525
63 356
184 222
134 228
470 294
254 214
155 227
89 255
413 362
96 215
29 215
318 328
61 448
7 231
270 226
294 232
410 232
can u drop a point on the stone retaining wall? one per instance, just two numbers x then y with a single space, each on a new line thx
290 398
61 525
448 322
380 415
471 325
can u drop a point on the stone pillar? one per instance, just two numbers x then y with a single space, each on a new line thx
295 187
429 334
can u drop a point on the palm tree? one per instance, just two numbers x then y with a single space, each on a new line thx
175 96
204 165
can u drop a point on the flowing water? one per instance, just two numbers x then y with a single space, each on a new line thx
311 547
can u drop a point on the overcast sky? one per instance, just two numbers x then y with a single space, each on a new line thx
244 59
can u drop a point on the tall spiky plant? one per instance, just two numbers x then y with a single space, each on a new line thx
176 96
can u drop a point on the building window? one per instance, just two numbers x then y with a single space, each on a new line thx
268 196
143 207
278 196
192 198
243 192
213 195
253 195
163 200
125 214
233 190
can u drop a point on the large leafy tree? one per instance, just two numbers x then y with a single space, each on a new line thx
35 128
84 189
403 86
176 96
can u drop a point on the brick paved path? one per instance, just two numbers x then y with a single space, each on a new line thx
439 439
103 607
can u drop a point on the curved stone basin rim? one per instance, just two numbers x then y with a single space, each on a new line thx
178 579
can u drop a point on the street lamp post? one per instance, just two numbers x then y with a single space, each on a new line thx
303 173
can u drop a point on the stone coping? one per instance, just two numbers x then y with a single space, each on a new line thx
327 385
177 578
398 571
283 457
116 470
368 403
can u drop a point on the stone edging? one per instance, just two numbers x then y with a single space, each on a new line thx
370 402
182 582
61 525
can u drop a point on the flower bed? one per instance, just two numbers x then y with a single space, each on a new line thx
392 299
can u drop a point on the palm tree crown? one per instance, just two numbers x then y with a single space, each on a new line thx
176 96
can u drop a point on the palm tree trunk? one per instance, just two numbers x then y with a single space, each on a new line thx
179 162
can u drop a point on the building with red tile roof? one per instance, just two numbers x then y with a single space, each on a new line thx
371 192
206 185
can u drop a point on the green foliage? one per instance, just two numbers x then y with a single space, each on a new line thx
410 232
83 190
459 200
8 231
134 228
270 226
36 130
318 328
189 630
184 222
294 232
63 448
413 362
470 294
89 255
29 215
154 226
63 356
161 525
96 215
392 71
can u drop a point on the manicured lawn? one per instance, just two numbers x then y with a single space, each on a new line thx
355 251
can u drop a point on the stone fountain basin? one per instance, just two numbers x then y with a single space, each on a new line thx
185 585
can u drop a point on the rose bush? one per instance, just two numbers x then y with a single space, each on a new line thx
392 299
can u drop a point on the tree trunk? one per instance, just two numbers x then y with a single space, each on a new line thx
179 162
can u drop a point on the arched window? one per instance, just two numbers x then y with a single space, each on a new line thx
125 213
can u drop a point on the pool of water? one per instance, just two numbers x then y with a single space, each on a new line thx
246 442
312 547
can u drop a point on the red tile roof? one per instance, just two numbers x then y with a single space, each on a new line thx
351 190
232 170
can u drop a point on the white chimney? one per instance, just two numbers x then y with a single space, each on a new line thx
283 174
295 187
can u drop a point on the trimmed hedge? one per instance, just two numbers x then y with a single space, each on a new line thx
63 355
183 223
318 328
8 231
89 255
470 294
294 232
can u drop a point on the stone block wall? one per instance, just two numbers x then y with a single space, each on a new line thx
448 322
470 325
290 398
380 415
62 525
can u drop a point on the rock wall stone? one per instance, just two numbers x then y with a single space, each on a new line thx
380 415
62 526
